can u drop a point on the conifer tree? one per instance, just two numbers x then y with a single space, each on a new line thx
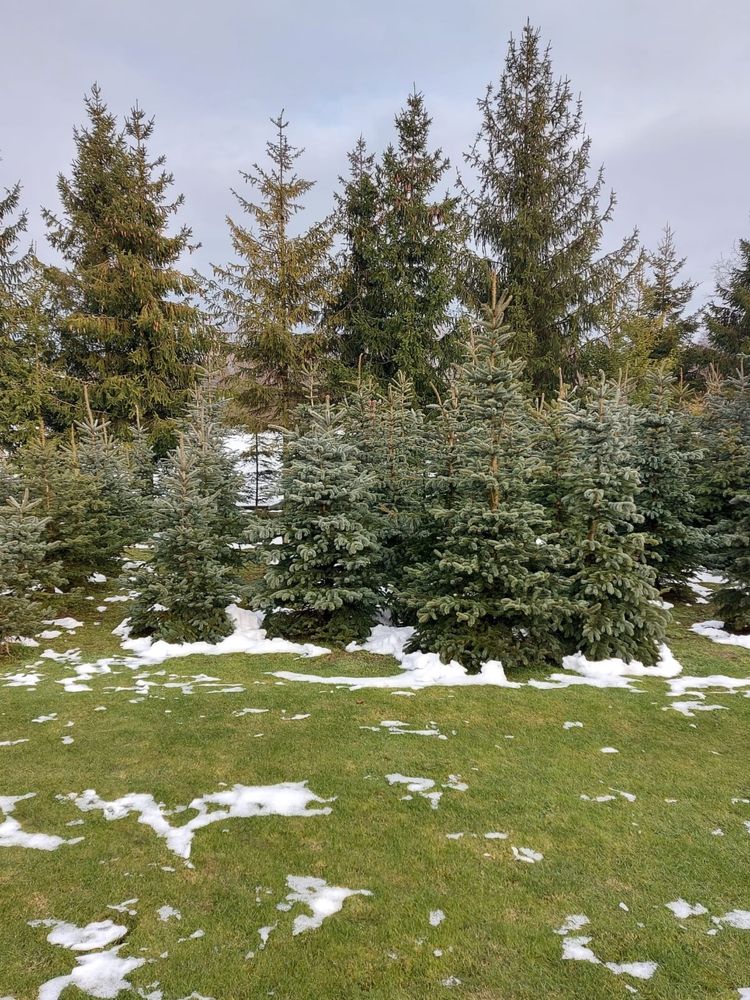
667 453
611 583
667 299
728 419
129 326
274 294
26 569
728 317
192 577
536 213
321 583
490 590
405 252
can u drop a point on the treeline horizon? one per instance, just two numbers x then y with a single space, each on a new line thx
390 283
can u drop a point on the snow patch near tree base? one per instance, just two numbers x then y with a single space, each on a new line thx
714 630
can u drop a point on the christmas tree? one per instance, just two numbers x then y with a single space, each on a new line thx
128 323
675 544
729 457
405 249
26 569
192 577
611 583
321 582
275 293
538 215
490 590
728 317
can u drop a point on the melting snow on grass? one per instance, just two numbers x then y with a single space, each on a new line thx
13 835
288 798
714 630
322 899
576 949
397 728
99 974
425 787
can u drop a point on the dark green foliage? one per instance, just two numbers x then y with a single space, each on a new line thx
489 591
610 581
667 454
274 294
666 300
728 317
127 320
321 582
25 569
192 576
404 249
728 461
536 212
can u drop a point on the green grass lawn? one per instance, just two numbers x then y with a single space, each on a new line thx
525 775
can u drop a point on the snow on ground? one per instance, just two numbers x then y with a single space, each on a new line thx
682 909
576 949
13 835
397 728
101 973
288 798
323 900
425 787
527 854
714 630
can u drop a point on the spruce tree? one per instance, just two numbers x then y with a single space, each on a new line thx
129 326
407 264
490 590
728 317
322 582
611 584
667 452
537 214
728 417
274 294
192 576
667 299
26 569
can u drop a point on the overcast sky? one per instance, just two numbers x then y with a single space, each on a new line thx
665 87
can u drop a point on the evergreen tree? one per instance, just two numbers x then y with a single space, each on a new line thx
490 590
321 582
611 583
537 214
25 569
404 248
675 544
667 298
728 417
128 326
185 588
728 317
276 292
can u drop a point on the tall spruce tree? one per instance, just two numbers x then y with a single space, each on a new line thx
537 214
490 590
667 453
129 325
321 582
728 317
26 569
611 583
275 293
405 249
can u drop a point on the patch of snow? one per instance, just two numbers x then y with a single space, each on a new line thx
436 918
613 669
89 938
288 798
248 637
574 922
127 906
13 835
572 725
639 970
740 919
682 909
166 913
12 743
397 728
67 623
575 949
689 708
714 630
526 854
101 974
608 750
323 900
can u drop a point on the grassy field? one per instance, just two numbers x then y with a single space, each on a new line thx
617 861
